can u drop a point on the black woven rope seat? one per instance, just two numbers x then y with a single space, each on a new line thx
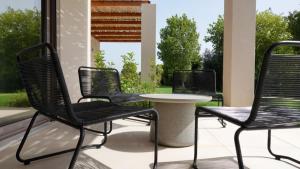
44 82
201 82
276 104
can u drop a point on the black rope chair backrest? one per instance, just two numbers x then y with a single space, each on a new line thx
277 98
194 82
99 82
43 80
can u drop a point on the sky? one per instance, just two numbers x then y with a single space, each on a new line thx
203 12
19 4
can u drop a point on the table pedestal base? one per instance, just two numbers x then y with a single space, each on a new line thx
176 124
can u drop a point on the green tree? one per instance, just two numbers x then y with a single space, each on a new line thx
179 47
158 73
129 75
214 59
18 30
294 25
216 34
99 59
270 28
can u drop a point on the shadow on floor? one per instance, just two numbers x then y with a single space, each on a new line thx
210 163
58 162
62 162
86 162
136 141
52 138
100 127
272 158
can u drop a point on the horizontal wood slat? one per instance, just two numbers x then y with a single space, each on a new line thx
118 3
116 14
116 33
119 37
103 22
122 24
110 40
114 28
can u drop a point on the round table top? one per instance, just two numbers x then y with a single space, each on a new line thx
176 98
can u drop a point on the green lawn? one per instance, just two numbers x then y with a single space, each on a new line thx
18 99
164 89
168 90
6 98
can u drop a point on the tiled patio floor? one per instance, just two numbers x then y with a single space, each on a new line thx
128 147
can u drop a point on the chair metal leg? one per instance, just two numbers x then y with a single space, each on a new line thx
26 162
238 148
139 120
195 142
80 99
149 106
96 131
278 157
155 117
102 132
110 128
76 150
220 119
149 123
105 136
78 147
222 122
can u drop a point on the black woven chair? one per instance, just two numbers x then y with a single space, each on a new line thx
198 82
44 82
104 83
276 104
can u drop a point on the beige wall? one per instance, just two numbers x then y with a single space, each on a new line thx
239 52
74 40
148 46
95 46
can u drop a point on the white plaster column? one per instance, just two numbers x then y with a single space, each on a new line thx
239 52
148 45
95 47
74 40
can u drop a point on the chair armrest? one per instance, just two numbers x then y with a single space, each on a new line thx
219 97
94 97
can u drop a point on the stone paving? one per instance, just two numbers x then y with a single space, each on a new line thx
128 147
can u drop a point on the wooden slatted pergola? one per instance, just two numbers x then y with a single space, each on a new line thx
117 20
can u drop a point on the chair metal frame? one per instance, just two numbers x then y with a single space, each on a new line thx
249 124
108 97
216 96
71 119
95 97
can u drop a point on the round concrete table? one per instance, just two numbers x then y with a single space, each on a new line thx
176 117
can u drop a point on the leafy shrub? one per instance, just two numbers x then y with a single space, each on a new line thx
158 73
100 61
20 99
130 79
145 87
129 75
